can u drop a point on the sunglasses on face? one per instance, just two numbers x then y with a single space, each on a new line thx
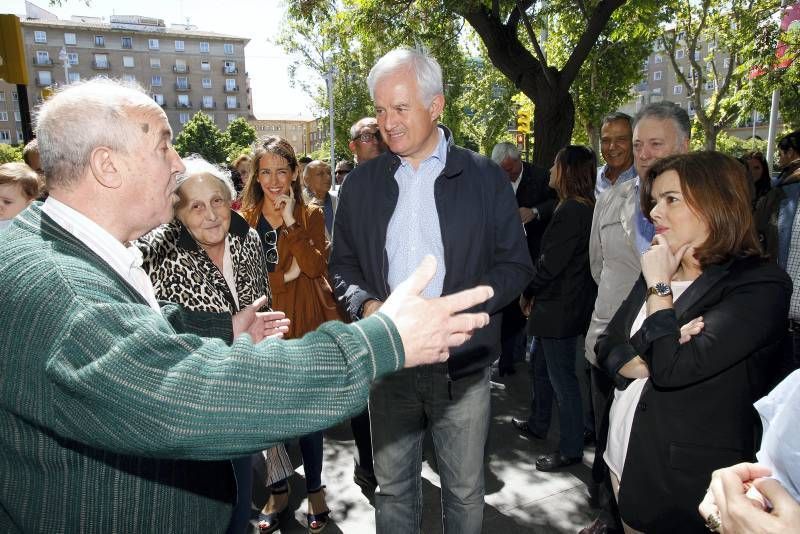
368 137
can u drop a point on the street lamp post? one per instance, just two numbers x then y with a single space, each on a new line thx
329 84
64 58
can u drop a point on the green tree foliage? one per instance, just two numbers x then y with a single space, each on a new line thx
9 153
240 135
719 39
201 136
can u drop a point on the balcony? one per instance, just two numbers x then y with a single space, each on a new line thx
229 70
180 68
184 105
229 89
232 105
183 87
41 62
212 105
101 65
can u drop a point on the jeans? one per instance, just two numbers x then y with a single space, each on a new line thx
361 434
311 449
403 406
240 515
541 391
560 356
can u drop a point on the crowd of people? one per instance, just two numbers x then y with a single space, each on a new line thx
170 324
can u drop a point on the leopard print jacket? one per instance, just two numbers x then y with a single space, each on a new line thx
183 273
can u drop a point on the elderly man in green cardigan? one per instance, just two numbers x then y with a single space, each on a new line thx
114 415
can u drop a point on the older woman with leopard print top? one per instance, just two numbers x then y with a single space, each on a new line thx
208 259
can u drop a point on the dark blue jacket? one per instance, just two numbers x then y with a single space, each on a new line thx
481 233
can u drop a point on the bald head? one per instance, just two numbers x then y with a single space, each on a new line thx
87 115
317 176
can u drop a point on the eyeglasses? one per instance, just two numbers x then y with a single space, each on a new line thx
271 247
368 137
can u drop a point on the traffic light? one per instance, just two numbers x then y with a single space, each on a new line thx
523 121
12 55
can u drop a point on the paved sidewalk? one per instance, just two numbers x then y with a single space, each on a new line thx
519 499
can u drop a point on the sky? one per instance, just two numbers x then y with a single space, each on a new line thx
259 20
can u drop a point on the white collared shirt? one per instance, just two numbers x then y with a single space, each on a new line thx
125 260
515 183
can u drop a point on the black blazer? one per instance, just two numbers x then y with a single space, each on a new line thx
696 412
534 192
562 281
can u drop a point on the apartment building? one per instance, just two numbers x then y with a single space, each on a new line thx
660 81
184 69
295 130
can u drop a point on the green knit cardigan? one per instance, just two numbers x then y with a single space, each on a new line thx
115 418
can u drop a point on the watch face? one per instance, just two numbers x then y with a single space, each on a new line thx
662 289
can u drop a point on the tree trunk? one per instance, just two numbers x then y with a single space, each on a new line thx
710 135
553 122
593 133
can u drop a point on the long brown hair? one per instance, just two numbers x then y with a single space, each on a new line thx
577 172
717 189
252 194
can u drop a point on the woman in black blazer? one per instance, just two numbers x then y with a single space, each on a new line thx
683 403
560 298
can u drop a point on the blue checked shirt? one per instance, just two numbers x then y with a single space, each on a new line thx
603 183
413 230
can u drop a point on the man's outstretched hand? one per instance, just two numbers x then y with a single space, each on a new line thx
260 325
429 327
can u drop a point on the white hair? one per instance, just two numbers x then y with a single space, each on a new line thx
504 150
426 69
83 116
196 166
355 129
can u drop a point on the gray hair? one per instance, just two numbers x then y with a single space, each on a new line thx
83 116
426 69
504 150
196 165
617 116
666 110
355 129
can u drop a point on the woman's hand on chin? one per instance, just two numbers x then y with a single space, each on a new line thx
659 264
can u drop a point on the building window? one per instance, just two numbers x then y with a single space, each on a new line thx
159 98
100 61
679 53
128 78
182 83
205 65
42 57
14 96
2 96
208 102
204 48
697 55
40 37
677 90
127 61
229 67
231 102
74 77
231 117
3 116
127 42
180 65
227 48
43 77
155 81
179 46
682 36
152 44
659 58
206 83
72 57
657 75
155 62
99 40
17 116
726 63
183 101
183 118
5 135
70 39
230 84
